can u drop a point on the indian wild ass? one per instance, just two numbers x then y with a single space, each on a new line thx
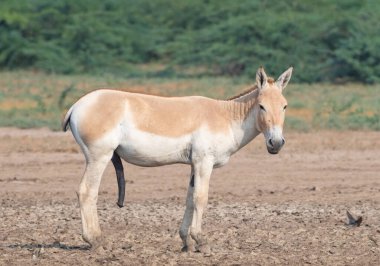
149 130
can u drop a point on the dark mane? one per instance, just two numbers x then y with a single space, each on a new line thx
251 89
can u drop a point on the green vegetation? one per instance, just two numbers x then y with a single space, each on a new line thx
32 99
326 41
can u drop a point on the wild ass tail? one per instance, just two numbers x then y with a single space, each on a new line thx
65 122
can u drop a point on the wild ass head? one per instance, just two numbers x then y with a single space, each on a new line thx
270 108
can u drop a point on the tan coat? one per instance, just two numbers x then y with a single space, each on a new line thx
151 131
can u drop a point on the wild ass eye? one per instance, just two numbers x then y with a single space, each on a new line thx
285 107
262 107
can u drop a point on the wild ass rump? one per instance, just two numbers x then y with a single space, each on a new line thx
148 130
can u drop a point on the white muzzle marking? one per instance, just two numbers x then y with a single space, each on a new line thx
274 139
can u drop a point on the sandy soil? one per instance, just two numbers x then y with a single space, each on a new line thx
263 209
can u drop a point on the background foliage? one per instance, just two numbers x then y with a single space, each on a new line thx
324 40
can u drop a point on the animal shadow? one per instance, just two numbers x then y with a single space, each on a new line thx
55 244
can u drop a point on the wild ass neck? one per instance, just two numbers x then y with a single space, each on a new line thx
243 116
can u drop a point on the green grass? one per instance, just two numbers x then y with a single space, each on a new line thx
29 99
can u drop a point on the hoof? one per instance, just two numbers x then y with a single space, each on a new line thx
204 249
95 243
187 249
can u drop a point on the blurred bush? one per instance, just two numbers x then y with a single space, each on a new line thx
334 41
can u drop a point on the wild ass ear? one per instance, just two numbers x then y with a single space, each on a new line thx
261 78
283 80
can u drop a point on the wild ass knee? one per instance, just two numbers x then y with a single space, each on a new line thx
200 199
86 196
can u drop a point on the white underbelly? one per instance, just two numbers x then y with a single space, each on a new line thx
145 149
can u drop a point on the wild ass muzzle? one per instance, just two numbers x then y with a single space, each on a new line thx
148 130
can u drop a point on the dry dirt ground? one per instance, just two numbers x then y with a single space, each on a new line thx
286 209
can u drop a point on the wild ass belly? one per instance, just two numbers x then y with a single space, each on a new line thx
146 149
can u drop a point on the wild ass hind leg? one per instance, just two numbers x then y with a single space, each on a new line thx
202 173
88 196
188 217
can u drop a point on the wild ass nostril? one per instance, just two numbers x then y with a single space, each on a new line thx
283 142
271 143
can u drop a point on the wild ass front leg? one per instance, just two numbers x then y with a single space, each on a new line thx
202 173
88 197
188 216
